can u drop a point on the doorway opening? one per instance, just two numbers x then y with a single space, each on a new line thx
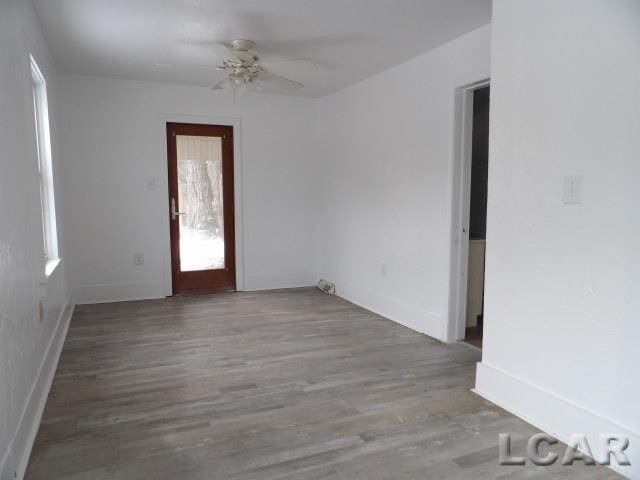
477 228
201 207
469 210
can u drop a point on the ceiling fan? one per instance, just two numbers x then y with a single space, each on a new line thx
244 71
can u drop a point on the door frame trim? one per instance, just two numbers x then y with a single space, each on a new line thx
461 198
163 207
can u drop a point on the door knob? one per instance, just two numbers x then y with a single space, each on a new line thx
174 213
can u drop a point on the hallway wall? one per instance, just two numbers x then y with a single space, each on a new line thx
386 166
561 299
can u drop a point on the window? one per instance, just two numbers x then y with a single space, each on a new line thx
45 169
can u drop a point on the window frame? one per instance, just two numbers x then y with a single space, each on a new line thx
45 168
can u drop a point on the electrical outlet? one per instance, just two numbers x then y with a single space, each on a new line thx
384 270
572 189
138 259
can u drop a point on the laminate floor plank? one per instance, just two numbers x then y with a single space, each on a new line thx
287 385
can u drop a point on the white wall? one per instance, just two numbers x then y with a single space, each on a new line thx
28 344
561 306
114 139
386 149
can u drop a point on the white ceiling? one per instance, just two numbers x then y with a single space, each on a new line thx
348 40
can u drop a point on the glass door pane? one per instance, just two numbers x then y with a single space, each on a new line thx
200 202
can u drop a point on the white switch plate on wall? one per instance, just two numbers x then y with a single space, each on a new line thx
572 189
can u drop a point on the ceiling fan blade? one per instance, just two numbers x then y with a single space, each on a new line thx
220 85
226 52
278 81
290 62
183 65
255 86
221 51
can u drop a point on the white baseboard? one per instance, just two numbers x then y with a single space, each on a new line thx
17 455
117 292
122 292
279 280
410 316
553 414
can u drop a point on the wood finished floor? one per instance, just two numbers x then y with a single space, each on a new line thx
289 385
473 336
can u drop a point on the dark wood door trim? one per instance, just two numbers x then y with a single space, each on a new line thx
205 281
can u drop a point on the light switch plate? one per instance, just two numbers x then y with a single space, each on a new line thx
572 189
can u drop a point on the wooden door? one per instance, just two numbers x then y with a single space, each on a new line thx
201 207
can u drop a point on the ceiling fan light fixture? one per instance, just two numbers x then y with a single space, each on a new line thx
242 69
242 44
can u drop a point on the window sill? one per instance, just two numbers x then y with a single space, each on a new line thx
51 267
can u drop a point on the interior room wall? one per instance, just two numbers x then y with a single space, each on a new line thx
115 142
29 341
386 163
561 301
